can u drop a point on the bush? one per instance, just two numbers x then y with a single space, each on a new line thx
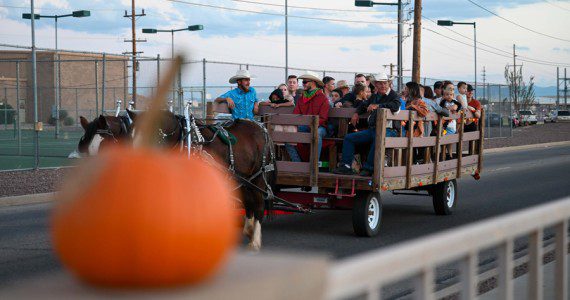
7 114
68 121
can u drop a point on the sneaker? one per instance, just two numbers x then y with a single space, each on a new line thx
343 170
366 173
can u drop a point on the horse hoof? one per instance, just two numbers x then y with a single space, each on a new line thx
253 248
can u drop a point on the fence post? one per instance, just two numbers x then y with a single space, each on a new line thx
5 108
204 85
76 108
489 115
500 118
103 85
157 69
18 107
57 95
96 87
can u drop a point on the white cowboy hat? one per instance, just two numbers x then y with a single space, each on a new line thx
383 77
241 74
310 75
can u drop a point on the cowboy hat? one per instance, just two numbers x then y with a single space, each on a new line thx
382 77
310 75
241 74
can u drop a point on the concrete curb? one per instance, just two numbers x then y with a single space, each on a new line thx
48 197
526 147
26 199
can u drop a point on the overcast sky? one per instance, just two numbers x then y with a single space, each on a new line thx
365 44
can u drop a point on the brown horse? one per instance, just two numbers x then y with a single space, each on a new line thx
103 131
245 159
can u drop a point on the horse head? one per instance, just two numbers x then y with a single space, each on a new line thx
101 132
170 132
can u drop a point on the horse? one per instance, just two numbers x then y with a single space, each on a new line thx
103 131
250 159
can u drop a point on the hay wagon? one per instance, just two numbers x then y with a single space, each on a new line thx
403 164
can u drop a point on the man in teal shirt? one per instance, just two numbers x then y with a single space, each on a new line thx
242 101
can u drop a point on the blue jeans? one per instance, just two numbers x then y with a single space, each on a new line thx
362 137
293 151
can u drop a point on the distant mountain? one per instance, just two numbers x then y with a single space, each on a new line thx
543 91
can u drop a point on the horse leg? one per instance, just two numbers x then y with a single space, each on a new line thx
248 225
258 214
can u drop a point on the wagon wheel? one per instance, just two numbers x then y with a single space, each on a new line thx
367 214
445 197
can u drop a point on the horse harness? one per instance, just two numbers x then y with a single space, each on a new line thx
125 125
197 141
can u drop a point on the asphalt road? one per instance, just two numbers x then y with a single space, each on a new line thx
510 181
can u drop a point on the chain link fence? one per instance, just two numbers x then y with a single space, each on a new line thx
71 85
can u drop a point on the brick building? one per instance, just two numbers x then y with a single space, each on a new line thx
81 82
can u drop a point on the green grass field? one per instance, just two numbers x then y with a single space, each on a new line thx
16 154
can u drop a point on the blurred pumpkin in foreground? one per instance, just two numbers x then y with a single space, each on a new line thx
144 218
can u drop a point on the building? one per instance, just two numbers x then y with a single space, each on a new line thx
81 80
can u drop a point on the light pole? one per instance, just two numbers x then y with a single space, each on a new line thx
172 31
75 14
451 23
361 3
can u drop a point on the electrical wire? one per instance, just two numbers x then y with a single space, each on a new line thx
556 5
308 8
282 15
516 24
495 48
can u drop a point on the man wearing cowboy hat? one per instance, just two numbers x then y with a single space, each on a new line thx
242 101
313 102
384 98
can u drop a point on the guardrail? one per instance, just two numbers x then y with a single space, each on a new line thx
367 274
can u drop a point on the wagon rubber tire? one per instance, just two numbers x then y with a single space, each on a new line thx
367 214
445 197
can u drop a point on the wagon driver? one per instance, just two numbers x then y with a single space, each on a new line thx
242 101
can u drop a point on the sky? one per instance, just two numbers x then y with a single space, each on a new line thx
364 44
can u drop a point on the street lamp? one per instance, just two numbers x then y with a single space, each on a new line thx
75 14
361 3
172 31
451 23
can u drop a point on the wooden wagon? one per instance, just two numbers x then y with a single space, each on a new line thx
398 167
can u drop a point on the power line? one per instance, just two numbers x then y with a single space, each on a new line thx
516 24
556 5
495 53
495 48
308 8
281 15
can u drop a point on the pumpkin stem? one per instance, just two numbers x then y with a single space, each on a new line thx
150 120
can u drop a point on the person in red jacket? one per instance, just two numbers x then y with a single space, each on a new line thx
312 102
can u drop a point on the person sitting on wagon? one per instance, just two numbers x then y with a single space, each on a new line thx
385 98
241 101
313 102
277 99
474 106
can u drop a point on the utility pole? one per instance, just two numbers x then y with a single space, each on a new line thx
391 65
400 41
557 87
286 41
133 16
417 41
565 90
484 89
515 78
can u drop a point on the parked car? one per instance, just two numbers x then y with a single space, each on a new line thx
492 119
549 118
528 117
561 116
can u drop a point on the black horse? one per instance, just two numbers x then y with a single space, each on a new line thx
249 159
103 131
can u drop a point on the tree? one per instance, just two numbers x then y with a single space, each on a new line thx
521 92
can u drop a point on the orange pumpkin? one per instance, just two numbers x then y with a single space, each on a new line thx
144 218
